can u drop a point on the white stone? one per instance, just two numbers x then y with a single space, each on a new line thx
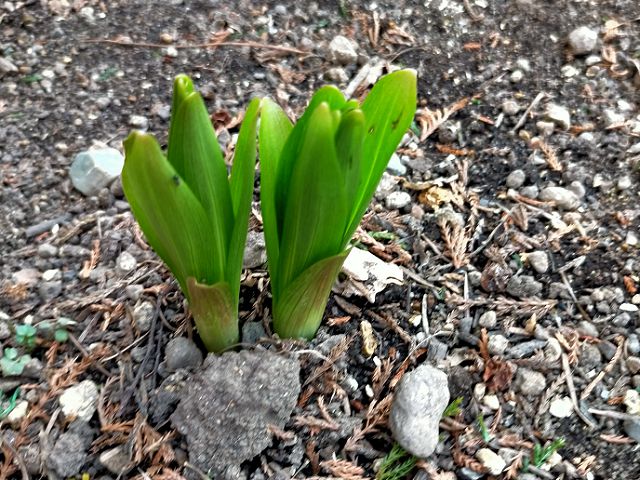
18 413
632 402
631 239
171 52
493 462
139 121
539 261
498 344
397 200
561 407
337 74
93 170
559 115
562 197
510 107
126 263
395 166
80 401
583 40
341 50
569 71
491 401
628 307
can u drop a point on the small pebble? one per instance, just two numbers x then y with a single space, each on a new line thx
488 319
80 401
633 364
342 50
337 75
18 413
498 344
516 76
562 197
397 200
143 316
46 250
125 263
561 407
491 401
530 382
491 461
139 121
624 183
510 107
182 353
50 290
539 261
583 40
515 179
559 115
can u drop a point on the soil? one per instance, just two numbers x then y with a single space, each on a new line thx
74 75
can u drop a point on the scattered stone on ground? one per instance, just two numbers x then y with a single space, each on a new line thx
94 170
182 353
80 401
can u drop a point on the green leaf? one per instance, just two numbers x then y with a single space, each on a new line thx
316 211
349 141
196 157
298 312
169 214
61 335
275 128
10 353
241 181
388 110
328 95
215 314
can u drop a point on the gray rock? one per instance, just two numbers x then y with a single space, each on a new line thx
633 344
93 170
69 453
510 107
583 40
590 356
633 364
488 319
532 191
632 428
395 166
525 349
143 315
342 51
139 121
337 75
116 187
530 382
516 178
33 369
397 200
252 332
80 401
116 460
607 349
587 329
420 398
31 454
578 188
559 115
490 460
539 261
6 66
125 263
5 331
523 286
27 276
50 290
562 197
46 250
545 128
498 344
134 292
624 182
255 253
226 408
182 353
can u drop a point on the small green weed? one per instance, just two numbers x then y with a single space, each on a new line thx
542 454
10 403
453 409
482 427
396 465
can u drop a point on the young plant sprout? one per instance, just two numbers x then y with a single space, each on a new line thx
192 213
317 179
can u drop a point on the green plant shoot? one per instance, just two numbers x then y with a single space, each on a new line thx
317 179
193 214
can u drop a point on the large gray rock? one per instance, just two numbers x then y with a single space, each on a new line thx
255 251
225 410
69 453
93 170
418 404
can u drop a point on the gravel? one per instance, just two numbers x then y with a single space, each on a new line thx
181 352
562 197
583 40
93 170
